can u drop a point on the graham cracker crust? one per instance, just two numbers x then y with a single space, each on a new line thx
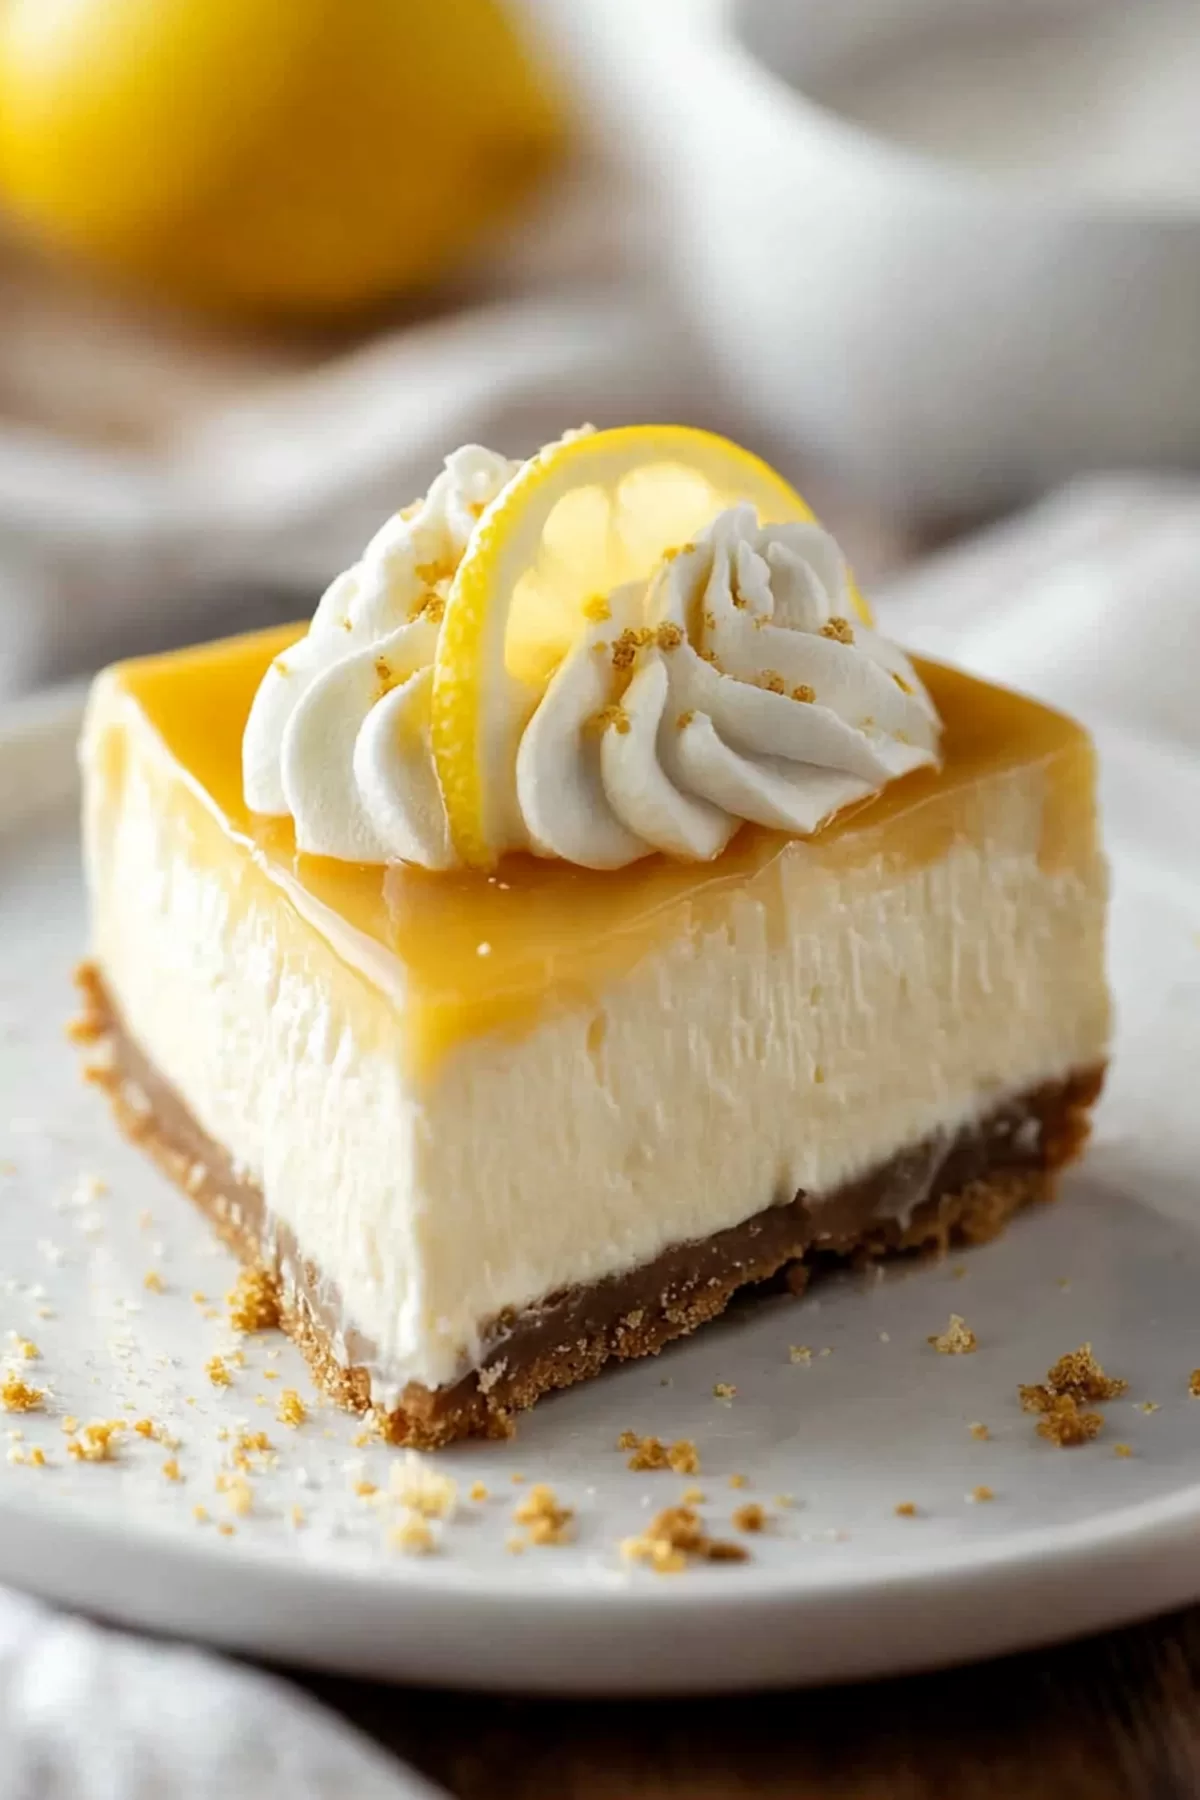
963 1190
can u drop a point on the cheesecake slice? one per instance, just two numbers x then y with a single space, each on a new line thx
483 1130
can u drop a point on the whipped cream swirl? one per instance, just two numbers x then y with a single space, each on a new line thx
737 684
338 735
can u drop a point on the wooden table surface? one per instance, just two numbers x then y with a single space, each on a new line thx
1115 1718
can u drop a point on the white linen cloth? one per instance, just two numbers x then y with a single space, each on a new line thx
90 1714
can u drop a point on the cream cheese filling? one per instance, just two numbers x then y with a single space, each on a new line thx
835 1016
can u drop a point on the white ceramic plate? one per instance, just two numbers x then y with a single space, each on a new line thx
839 1586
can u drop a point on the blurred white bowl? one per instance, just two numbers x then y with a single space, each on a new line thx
947 337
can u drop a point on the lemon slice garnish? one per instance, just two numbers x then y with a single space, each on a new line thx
579 520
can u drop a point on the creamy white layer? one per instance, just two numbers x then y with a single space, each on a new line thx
834 1021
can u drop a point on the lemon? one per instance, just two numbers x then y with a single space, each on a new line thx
583 517
300 157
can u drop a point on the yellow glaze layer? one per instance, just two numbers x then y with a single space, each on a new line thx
556 935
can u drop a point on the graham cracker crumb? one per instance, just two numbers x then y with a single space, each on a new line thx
253 1302
751 1517
979 1430
693 1496
627 645
543 1518
799 1353
980 1494
905 1509
651 1453
804 693
85 1030
217 1373
673 1537
957 1340
144 1427
226 1529
200 1514
291 1410
25 1348
412 1536
684 720
365 1489
1063 1425
239 1496
478 1491
96 1442
614 716
739 1481
250 1443
839 629
17 1395
430 606
1080 1375
683 1457
170 1470
296 1517
422 1489
33 1458
1148 1406
772 681
724 1390
1122 1450
270 1374
1194 1384
1075 1377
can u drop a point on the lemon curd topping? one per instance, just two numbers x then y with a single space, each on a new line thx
476 953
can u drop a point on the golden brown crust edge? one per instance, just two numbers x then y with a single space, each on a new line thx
483 1403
